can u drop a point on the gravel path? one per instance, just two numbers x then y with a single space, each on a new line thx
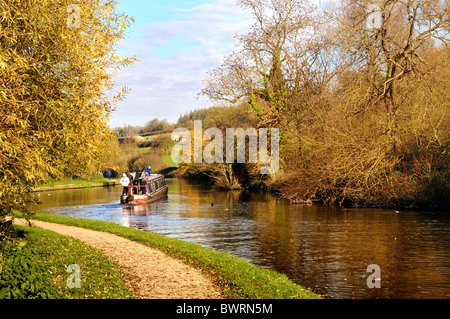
150 274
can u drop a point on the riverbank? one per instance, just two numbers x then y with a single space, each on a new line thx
72 183
147 273
274 187
236 277
36 268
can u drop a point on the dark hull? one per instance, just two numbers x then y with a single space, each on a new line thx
144 199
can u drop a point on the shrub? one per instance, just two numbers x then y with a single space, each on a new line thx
21 276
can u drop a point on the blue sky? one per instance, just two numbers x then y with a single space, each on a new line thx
177 42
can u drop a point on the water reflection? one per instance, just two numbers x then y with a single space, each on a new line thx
324 248
136 210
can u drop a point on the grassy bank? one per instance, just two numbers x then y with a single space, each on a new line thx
36 268
72 183
238 277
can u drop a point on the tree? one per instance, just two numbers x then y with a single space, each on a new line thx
390 50
361 105
378 134
279 66
155 125
270 66
57 64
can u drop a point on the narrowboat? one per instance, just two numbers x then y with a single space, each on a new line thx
145 190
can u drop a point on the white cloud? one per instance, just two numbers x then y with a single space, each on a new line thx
175 56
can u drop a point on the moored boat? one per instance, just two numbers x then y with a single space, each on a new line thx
145 190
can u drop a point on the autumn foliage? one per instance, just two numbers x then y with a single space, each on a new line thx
363 110
54 78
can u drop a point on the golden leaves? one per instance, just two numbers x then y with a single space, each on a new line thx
54 108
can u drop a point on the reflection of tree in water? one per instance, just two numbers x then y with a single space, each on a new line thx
237 196
137 210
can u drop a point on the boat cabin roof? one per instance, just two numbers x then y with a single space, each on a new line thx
152 177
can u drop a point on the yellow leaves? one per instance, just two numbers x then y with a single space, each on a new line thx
3 65
53 114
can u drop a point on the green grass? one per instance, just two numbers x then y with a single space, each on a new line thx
37 269
169 162
239 278
145 149
152 137
95 181
168 158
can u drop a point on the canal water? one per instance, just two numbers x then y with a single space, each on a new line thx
326 249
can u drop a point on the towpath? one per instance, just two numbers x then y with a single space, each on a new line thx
149 273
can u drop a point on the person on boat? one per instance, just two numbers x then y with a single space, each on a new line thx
142 181
144 175
149 170
125 181
130 177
